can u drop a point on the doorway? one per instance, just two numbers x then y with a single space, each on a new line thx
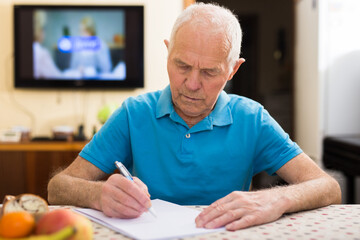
267 76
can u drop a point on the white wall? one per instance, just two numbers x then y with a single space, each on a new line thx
43 109
339 46
307 86
327 71
327 77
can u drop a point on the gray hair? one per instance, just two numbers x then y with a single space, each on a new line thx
220 19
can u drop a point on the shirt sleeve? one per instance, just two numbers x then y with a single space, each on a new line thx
274 147
111 143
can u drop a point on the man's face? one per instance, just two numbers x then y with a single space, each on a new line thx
198 71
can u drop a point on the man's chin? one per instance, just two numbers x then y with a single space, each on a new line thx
188 110
191 113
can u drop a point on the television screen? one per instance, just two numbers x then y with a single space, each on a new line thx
78 46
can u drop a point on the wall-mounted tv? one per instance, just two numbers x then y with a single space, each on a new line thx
58 46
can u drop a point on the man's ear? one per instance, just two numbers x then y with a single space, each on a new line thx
236 67
167 43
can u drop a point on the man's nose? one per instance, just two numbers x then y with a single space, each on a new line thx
192 81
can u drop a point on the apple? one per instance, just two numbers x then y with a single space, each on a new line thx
58 219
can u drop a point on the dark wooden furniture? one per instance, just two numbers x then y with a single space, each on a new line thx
342 153
27 167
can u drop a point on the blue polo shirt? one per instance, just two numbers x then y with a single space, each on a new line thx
220 154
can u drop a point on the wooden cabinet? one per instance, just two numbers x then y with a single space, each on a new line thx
27 167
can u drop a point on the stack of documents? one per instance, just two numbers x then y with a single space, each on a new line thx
172 221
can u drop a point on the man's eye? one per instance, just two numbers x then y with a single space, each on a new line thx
184 67
209 73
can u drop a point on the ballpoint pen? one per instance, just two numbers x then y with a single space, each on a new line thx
127 174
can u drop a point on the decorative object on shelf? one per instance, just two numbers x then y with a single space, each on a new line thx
106 111
15 134
10 136
80 136
63 133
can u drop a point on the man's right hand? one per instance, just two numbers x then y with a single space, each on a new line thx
122 198
81 184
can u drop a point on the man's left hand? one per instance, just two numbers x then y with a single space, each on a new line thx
240 210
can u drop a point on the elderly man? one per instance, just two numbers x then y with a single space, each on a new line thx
192 143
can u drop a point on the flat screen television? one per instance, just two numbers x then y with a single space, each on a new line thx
58 46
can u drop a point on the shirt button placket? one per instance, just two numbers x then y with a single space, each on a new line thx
186 145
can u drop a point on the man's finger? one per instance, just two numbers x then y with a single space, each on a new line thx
119 210
142 185
216 204
127 200
133 190
114 191
226 218
244 222
214 211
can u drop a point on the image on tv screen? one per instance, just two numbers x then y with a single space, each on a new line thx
79 44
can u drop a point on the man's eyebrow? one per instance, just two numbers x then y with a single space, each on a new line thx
179 61
213 70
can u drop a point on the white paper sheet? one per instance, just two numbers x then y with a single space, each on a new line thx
172 221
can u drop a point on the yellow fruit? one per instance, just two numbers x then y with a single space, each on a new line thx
63 234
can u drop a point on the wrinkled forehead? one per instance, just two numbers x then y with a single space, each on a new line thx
202 38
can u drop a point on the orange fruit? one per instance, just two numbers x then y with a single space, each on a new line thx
16 224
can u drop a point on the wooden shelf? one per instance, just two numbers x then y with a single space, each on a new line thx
43 146
27 167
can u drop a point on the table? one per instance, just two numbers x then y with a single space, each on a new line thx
342 153
334 222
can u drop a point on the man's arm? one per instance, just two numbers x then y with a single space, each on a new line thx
310 187
81 184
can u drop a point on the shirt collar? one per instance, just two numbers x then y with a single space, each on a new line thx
164 105
220 116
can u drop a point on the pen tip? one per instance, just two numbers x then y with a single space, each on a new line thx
152 211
